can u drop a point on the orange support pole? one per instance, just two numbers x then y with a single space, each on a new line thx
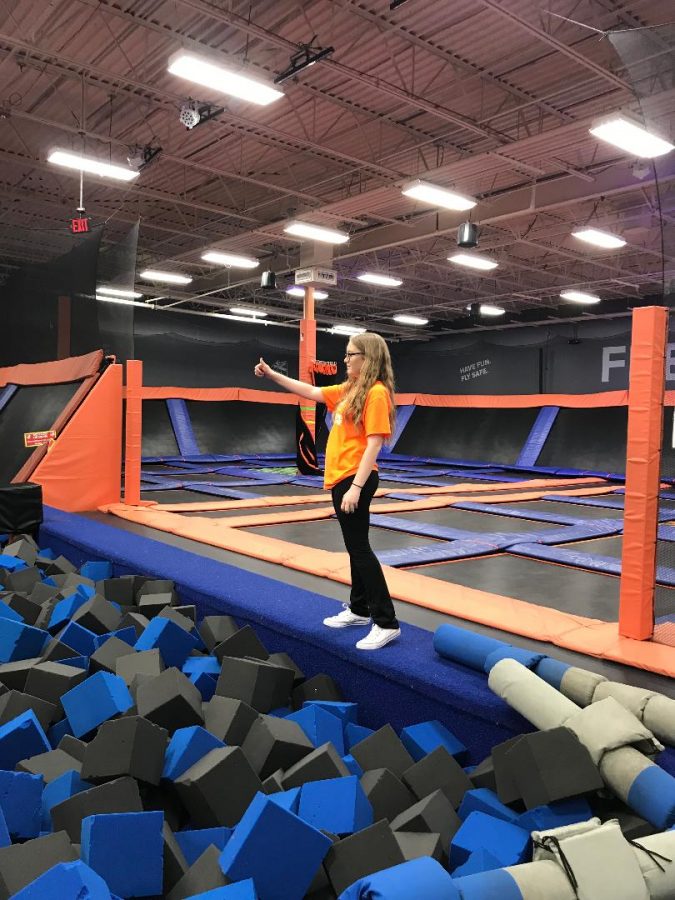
134 432
643 469
308 356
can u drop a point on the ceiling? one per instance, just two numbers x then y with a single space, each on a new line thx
493 98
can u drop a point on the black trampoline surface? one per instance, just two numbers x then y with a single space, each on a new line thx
575 510
240 427
471 521
558 587
32 408
587 439
326 535
488 435
612 546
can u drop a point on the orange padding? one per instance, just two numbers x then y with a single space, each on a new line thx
82 469
247 395
61 370
578 633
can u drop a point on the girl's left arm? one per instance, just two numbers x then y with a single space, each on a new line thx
373 446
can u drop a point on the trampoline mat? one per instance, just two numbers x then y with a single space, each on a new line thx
575 510
158 438
490 435
32 408
612 547
326 535
282 490
544 584
472 521
239 427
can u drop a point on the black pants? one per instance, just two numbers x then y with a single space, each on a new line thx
369 594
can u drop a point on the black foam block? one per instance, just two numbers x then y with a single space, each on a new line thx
154 586
20 864
15 674
22 549
70 582
189 611
383 750
73 746
105 658
136 621
215 629
147 662
117 590
552 765
50 680
170 612
283 659
22 580
261 685
415 845
273 784
243 643
175 864
128 746
56 650
319 765
505 785
60 566
113 797
43 592
151 605
170 700
274 743
433 814
203 875
98 615
164 799
438 770
387 794
368 851
13 703
218 788
27 608
50 765
319 687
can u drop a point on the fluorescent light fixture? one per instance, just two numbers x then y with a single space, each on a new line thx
230 259
123 300
438 196
410 320
316 233
92 166
599 238
384 280
628 135
167 277
295 290
245 311
249 319
473 261
488 309
347 329
118 292
221 78
579 297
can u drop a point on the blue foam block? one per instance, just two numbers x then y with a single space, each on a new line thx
80 662
174 644
423 877
320 726
97 570
20 801
652 796
356 733
241 890
127 851
277 849
485 800
338 805
205 684
488 885
289 799
79 638
506 842
21 738
57 732
19 641
186 747
196 665
58 790
128 635
194 842
95 700
352 765
464 646
11 563
562 812
65 609
6 612
66 881
527 658
348 712
552 671
479 861
419 740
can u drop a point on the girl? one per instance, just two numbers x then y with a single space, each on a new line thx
363 416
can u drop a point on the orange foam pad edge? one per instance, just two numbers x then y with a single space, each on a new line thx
72 369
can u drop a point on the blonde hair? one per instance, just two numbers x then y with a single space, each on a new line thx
376 367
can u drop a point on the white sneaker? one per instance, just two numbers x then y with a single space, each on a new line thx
378 637
345 618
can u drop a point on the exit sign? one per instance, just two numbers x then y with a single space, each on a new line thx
79 226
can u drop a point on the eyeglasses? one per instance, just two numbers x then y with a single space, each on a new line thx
349 354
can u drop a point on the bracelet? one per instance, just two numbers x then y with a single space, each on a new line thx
359 486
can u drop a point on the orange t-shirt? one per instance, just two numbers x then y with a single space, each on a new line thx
346 442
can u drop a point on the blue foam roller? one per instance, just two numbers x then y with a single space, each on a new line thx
356 733
338 805
186 747
320 726
58 790
652 796
195 841
126 850
421 739
66 881
21 738
278 850
562 812
463 646
352 765
526 658
21 801
6 612
241 890
423 877
20 641
552 671
486 801
289 799
505 841
95 700
479 861
348 712
173 643
79 638
488 886
97 570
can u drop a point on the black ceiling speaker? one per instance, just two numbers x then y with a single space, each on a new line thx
467 235
268 280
